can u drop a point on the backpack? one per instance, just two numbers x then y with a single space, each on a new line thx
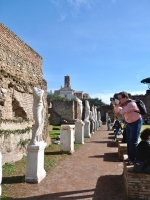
140 105
117 124
108 121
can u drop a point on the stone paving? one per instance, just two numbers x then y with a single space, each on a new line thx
93 172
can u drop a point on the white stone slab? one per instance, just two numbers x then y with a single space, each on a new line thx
35 171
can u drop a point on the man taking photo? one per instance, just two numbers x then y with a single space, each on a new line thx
133 122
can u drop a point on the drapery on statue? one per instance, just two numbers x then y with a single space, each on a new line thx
87 110
38 114
96 113
90 116
99 115
79 108
93 112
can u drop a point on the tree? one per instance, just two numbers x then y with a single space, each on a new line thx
146 81
95 101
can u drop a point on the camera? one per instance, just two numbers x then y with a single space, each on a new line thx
112 99
115 98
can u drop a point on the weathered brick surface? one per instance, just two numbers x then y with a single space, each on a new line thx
17 58
137 184
20 71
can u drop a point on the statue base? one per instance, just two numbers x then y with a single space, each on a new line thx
87 129
35 171
79 132
67 138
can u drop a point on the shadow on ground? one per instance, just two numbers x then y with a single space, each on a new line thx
111 134
56 153
13 179
108 157
98 142
112 144
105 190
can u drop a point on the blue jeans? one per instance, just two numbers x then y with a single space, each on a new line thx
116 133
108 127
132 135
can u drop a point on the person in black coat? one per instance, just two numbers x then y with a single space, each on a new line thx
143 149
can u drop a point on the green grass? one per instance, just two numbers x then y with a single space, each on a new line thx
49 163
144 127
54 133
8 168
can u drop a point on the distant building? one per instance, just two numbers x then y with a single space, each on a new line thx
69 93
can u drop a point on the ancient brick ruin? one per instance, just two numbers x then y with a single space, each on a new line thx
20 71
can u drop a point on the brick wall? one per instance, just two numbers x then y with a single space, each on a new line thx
18 59
137 184
20 71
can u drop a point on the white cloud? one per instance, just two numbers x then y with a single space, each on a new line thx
63 17
106 96
78 3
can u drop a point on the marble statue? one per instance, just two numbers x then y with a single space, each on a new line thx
95 109
93 112
38 114
79 109
87 110
91 116
99 115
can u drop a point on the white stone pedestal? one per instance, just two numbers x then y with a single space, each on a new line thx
35 171
94 126
0 173
97 124
67 138
87 129
79 132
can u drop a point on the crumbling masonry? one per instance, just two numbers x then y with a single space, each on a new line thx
20 71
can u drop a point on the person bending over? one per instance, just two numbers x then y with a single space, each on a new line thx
133 123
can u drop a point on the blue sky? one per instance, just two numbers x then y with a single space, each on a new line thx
103 45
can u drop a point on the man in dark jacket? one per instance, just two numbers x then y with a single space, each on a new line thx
117 127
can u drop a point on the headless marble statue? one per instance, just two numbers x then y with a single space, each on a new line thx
38 114
93 112
96 113
87 110
79 108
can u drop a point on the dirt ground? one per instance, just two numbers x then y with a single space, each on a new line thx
93 172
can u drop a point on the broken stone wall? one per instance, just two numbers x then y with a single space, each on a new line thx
20 71
63 110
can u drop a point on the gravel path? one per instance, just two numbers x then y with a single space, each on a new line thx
93 172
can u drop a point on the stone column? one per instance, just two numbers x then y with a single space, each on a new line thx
67 138
79 132
35 163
